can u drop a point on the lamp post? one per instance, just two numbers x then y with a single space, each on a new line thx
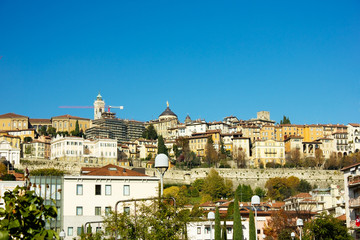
292 235
62 234
211 217
300 224
161 165
255 200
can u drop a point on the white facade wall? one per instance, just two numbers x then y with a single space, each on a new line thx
139 187
353 137
195 127
243 143
11 154
223 127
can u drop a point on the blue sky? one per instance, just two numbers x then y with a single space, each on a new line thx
209 59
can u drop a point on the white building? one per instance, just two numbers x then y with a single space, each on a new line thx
9 153
88 197
352 198
353 137
101 151
268 151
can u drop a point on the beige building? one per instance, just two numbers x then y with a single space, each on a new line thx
241 144
166 121
37 149
100 151
12 121
9 153
67 123
267 151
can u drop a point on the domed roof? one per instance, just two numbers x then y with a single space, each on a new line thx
168 112
99 97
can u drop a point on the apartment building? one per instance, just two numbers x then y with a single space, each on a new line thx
105 186
267 151
67 123
353 137
352 198
12 121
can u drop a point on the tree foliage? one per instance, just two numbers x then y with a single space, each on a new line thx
161 146
150 133
47 172
158 220
211 157
278 222
217 225
237 231
25 214
280 188
285 120
244 193
216 186
326 227
252 230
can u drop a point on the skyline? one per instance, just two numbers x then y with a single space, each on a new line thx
208 60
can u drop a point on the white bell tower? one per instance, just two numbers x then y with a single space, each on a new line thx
99 107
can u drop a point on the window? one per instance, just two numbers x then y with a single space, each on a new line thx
127 210
79 231
107 211
70 231
79 211
107 189
98 229
207 230
79 189
126 190
97 189
198 230
97 211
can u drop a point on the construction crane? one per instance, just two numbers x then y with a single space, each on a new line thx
108 107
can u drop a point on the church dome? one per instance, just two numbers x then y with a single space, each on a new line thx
167 113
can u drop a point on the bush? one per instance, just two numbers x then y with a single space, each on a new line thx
8 177
47 172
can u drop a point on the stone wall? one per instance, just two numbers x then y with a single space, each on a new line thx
255 177
252 177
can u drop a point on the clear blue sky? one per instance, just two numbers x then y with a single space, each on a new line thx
209 59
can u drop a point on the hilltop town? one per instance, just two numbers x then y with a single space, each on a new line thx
88 165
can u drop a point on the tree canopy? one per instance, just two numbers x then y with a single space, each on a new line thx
161 146
216 186
285 120
150 133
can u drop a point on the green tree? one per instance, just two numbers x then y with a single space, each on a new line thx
216 186
326 227
238 231
25 214
42 131
244 193
285 120
224 231
252 230
217 225
8 177
158 220
150 133
279 188
51 131
76 132
304 186
27 139
260 192
211 154
161 146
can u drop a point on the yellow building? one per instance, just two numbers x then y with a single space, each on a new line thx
13 140
250 131
268 151
313 132
12 121
67 123
197 144
284 131
22 133
267 132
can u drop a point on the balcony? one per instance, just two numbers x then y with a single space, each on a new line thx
354 202
354 181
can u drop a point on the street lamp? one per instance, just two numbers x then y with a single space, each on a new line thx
300 224
255 200
292 235
161 165
211 217
62 234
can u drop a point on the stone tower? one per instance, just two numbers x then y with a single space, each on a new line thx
99 107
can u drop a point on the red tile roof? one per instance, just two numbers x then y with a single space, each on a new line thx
112 170
12 115
39 120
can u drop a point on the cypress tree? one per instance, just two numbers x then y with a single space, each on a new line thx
238 231
77 129
224 233
217 225
252 233
161 146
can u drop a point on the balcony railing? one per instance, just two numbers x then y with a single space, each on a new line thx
354 202
354 181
